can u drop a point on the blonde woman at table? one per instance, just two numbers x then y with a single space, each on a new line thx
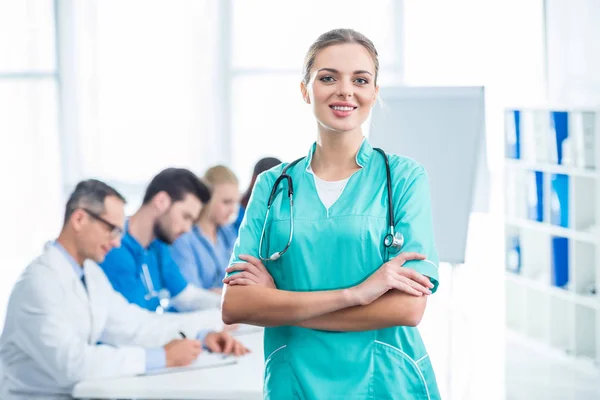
203 253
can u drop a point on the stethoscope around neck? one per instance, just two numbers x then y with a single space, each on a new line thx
392 242
163 295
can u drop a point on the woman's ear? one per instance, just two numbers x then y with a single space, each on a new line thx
376 96
304 91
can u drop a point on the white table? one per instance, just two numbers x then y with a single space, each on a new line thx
243 380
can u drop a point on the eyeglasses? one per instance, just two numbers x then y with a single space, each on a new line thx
115 231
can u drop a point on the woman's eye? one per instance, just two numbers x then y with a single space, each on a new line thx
327 79
361 81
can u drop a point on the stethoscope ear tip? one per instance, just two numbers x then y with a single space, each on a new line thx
275 256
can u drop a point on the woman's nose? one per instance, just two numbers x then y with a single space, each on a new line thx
345 89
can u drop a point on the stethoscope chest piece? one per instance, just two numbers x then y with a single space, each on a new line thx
164 301
394 242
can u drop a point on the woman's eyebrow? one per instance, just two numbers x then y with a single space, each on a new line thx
335 71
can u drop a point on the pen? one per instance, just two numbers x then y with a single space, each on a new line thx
182 335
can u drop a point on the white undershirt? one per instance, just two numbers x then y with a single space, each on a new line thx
328 192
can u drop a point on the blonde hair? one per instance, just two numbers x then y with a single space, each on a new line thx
338 36
218 175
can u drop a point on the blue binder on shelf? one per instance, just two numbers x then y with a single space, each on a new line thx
535 196
513 254
560 127
513 134
559 200
560 261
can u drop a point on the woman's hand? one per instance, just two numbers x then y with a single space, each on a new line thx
252 272
392 275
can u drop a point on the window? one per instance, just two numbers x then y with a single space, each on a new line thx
208 86
27 37
29 149
146 80
466 42
292 27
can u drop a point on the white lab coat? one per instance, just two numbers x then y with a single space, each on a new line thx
53 326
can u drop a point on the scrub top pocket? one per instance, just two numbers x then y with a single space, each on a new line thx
280 382
396 376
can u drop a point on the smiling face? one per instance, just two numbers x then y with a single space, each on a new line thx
342 87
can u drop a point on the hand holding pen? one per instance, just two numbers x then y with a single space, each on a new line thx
182 352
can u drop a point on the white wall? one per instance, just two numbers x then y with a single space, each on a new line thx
496 44
573 45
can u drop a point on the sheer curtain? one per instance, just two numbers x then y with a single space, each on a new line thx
194 83
573 56
30 174
147 78
106 89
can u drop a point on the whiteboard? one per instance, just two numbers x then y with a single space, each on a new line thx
442 128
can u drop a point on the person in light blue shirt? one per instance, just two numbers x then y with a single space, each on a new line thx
142 269
203 254
264 164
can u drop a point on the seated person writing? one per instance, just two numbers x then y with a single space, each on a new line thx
63 306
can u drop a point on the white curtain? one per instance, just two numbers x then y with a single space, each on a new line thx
30 172
146 79
123 90
573 56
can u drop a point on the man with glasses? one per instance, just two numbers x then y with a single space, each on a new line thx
143 269
65 323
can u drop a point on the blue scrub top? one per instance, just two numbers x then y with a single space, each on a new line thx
201 261
123 267
239 219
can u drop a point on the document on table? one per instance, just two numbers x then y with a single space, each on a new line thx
245 329
204 360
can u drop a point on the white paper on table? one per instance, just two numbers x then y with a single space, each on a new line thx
204 360
245 329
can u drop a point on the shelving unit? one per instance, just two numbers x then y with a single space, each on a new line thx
552 210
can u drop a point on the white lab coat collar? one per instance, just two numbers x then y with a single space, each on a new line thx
54 259
76 267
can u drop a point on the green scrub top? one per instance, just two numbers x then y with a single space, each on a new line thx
339 248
